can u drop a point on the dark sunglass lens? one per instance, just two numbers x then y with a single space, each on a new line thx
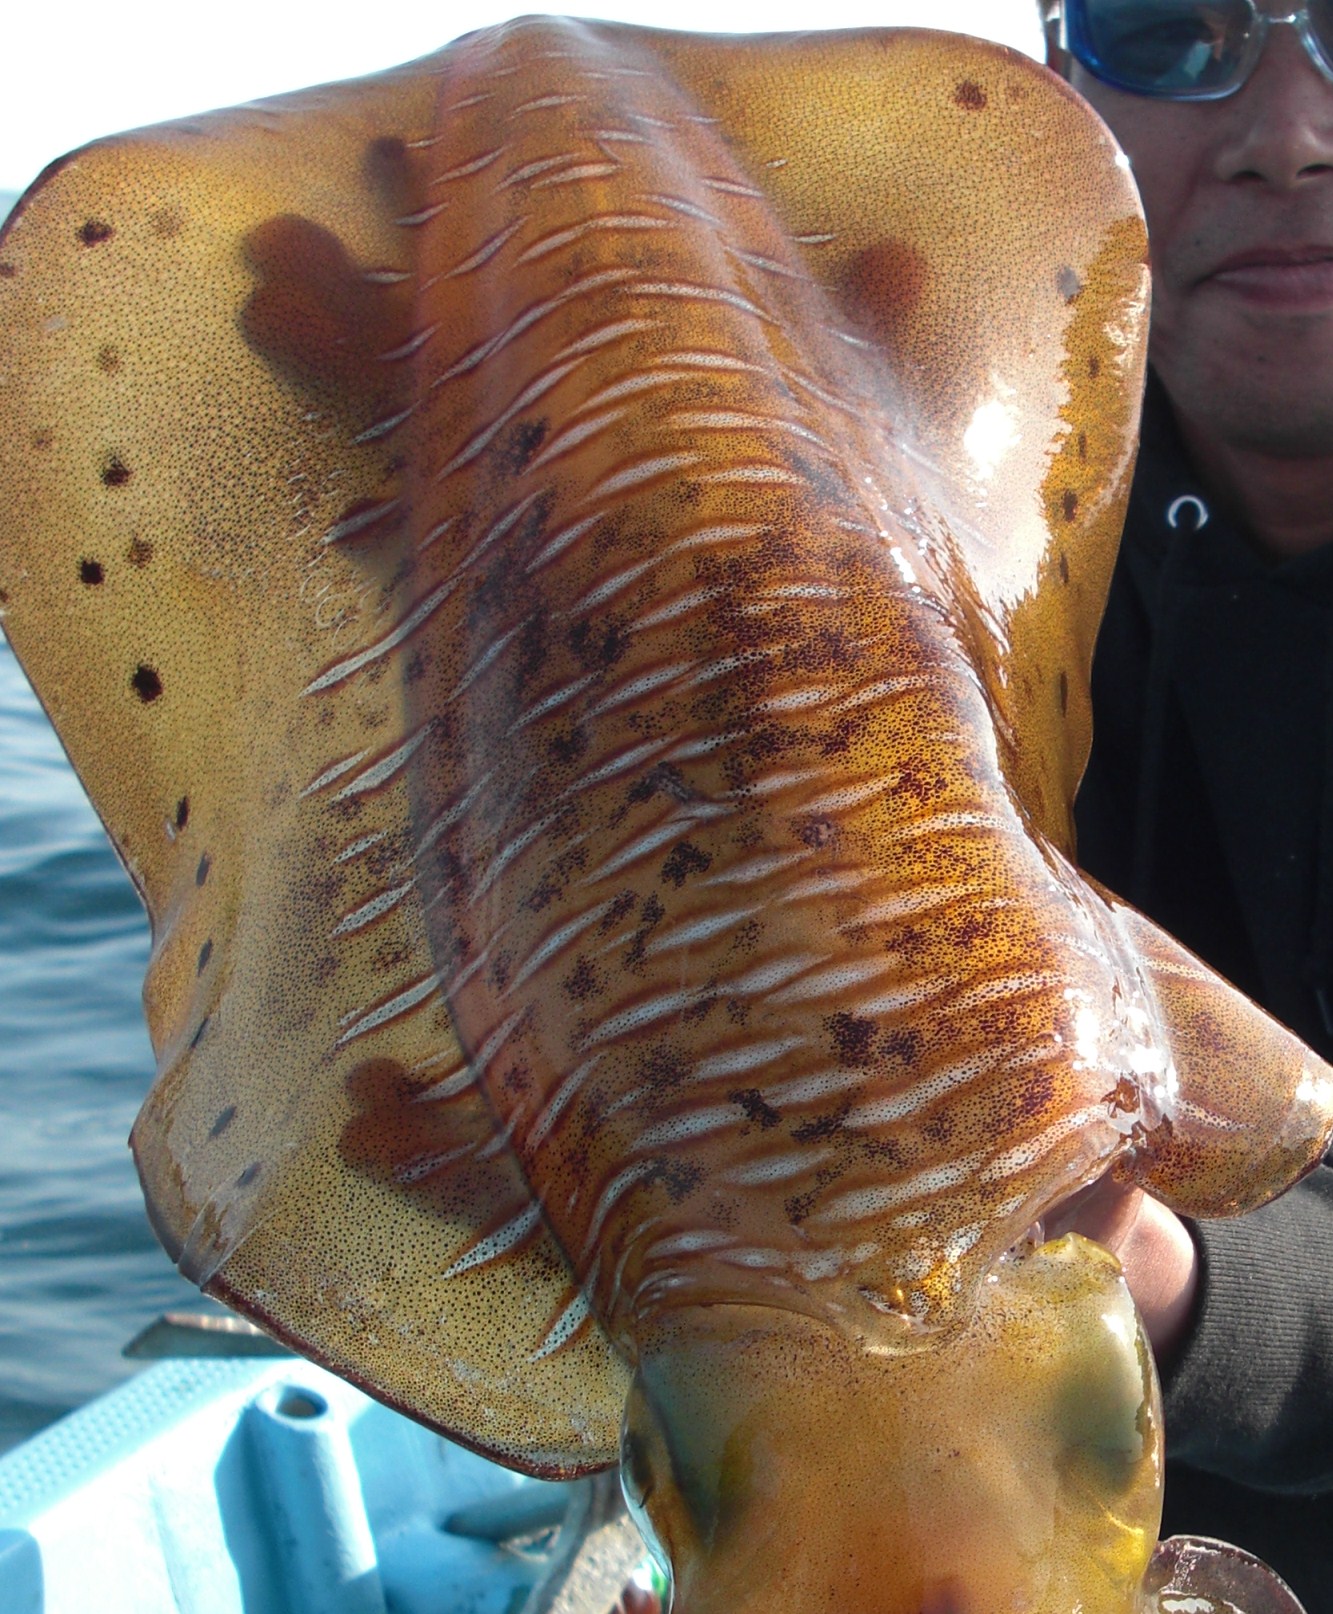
1163 47
1321 29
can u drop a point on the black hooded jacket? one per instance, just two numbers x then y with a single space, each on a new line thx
1208 803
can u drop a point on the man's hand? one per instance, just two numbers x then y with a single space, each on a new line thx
1154 1247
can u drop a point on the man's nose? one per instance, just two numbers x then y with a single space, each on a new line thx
1280 124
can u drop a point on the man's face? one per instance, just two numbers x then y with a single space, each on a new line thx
1239 199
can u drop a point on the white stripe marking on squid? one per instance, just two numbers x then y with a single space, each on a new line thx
529 317
1024 1155
481 440
816 1087
745 1057
646 380
619 1185
560 541
652 840
575 176
385 769
697 293
755 471
731 187
694 1242
688 932
460 1080
556 1105
573 435
680 205
555 944
368 912
335 772
542 102
364 844
645 1013
423 215
634 688
484 253
496 1244
506 855
859 1203
759 867
530 170
358 523
769 265
631 476
390 423
404 350
852 974
497 1039
922 1094
740 420
683 605
463 170
553 702
775 1168
942 823
688 1124
450 816
649 750
363 658
411 997
564 1327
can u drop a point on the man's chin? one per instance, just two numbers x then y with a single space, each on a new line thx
1257 380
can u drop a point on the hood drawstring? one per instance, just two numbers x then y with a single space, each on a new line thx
1185 516
1319 962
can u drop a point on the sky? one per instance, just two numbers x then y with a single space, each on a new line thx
83 68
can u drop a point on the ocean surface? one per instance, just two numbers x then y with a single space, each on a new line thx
80 1272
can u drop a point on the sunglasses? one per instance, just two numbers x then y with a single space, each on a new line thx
1185 50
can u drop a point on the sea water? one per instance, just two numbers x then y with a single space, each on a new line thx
80 1271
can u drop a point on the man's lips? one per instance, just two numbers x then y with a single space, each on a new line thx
1291 277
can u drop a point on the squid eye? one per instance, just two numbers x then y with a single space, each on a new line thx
645 1476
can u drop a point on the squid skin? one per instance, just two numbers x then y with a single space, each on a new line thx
569 571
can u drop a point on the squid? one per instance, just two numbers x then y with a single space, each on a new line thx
569 570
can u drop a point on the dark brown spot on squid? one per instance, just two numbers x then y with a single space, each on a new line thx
1094 366
205 953
1064 567
201 873
90 572
816 832
224 1120
581 983
684 860
249 1174
115 473
8 270
752 1101
108 360
140 552
94 231
969 95
852 1036
182 812
1069 504
146 683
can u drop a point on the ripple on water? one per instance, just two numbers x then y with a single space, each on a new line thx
80 1272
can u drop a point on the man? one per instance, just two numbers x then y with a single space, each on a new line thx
1209 798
